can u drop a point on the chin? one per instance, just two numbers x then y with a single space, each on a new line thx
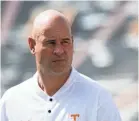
60 71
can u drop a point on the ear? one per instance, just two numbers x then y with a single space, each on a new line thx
72 38
72 43
31 43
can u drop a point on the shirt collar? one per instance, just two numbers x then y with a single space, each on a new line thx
63 90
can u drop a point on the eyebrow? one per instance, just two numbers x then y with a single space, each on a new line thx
53 40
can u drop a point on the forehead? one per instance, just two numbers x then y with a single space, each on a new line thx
54 27
54 31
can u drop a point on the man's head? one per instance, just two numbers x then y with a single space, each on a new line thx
51 42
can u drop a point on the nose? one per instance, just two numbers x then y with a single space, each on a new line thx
58 50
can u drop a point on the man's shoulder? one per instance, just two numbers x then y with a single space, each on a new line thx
88 82
17 90
91 87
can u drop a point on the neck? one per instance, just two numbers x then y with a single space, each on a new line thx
50 84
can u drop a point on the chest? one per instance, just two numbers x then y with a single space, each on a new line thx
73 109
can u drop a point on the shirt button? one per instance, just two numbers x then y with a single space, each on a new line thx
51 99
49 111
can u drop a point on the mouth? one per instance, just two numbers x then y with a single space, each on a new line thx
58 60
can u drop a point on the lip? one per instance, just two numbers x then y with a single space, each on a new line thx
58 60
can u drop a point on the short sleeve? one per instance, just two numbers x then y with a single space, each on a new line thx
3 115
107 110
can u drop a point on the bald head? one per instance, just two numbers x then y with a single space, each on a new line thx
48 19
48 16
52 40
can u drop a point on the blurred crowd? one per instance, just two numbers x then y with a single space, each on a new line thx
105 42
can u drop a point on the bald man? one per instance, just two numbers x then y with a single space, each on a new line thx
57 92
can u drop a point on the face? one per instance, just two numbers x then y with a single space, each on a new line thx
54 49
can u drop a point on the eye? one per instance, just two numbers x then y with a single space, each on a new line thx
49 43
66 41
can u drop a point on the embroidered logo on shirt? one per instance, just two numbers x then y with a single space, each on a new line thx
74 116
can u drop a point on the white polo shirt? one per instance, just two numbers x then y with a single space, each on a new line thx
79 99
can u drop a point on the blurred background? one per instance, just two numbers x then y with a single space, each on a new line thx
105 41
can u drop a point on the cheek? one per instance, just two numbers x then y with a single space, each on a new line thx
42 54
45 54
69 52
